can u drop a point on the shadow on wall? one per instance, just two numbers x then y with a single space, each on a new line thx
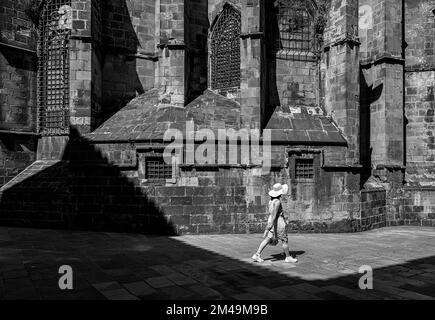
197 57
18 94
119 64
83 191
368 95
17 111
16 153
272 39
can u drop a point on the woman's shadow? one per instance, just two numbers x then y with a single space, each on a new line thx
281 256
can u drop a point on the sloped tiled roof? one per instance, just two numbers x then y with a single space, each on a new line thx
145 119
304 125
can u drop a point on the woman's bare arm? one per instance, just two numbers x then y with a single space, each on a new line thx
271 222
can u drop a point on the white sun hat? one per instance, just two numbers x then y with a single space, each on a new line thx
278 189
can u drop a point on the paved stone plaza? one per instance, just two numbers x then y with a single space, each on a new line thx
131 266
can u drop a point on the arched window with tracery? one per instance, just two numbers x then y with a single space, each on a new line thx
296 38
53 67
225 50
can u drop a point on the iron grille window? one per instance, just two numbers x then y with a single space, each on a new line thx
225 50
156 169
304 168
296 34
53 68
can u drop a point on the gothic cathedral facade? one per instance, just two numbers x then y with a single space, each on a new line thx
342 90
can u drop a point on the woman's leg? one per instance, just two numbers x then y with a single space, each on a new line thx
285 249
288 257
263 245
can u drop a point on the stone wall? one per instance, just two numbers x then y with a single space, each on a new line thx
100 187
420 130
18 66
415 204
417 207
197 24
373 209
17 89
16 153
251 67
382 63
290 79
97 56
386 113
419 92
113 53
342 73
384 83
380 25
172 63
16 27
103 183
297 82
81 84
82 65
419 36
215 198
120 49
129 49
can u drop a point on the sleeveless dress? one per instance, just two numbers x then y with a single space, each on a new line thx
276 221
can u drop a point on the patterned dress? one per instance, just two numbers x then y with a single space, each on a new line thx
276 223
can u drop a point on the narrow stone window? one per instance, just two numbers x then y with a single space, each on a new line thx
225 50
304 168
53 68
156 169
296 40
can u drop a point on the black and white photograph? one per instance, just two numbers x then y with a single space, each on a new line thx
209 157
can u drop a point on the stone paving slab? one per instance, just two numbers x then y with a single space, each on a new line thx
132 266
139 288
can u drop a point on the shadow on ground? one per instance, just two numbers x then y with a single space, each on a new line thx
129 266
281 256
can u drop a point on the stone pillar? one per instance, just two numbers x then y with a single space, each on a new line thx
385 66
251 63
383 70
172 52
342 75
85 70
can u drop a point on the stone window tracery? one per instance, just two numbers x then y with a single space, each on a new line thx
225 50
296 40
53 68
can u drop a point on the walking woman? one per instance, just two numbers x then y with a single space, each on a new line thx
276 224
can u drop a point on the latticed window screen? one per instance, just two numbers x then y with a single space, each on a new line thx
296 38
156 169
225 50
304 168
53 68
